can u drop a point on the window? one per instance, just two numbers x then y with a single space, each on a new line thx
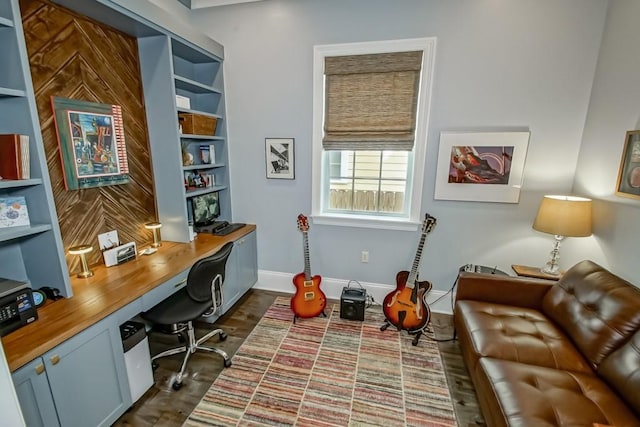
371 109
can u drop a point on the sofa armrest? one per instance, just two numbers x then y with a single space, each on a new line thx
508 290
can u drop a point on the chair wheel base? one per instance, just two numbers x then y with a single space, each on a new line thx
154 365
227 363
223 336
176 385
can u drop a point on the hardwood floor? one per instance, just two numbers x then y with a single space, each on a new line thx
162 406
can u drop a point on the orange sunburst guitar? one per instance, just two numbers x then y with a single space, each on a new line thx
406 307
309 300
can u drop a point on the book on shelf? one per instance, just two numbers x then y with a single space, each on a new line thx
13 212
207 154
14 156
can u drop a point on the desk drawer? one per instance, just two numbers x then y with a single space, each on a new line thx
161 292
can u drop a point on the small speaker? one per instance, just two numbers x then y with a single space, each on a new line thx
352 303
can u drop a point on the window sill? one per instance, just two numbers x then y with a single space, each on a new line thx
365 221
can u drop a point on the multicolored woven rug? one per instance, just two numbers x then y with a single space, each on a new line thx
328 371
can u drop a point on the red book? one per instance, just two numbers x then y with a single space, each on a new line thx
14 156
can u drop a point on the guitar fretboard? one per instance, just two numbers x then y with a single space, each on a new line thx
413 275
307 264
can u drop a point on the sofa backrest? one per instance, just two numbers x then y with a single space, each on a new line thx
597 309
621 369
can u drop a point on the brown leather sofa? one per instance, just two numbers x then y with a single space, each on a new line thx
543 353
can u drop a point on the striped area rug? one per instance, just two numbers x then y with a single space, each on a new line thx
328 371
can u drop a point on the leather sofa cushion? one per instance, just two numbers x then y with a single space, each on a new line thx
621 369
514 333
517 394
596 308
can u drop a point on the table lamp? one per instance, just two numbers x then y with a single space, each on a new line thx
562 216
82 251
155 226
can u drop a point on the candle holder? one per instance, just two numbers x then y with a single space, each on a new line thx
82 252
155 226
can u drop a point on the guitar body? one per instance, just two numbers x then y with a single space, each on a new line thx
309 300
406 307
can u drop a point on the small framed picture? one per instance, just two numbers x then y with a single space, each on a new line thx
629 172
280 158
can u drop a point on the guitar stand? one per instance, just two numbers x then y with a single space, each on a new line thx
296 317
417 334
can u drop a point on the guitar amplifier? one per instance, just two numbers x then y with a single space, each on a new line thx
352 303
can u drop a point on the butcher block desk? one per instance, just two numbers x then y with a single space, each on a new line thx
76 341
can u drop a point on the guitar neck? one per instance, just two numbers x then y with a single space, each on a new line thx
307 264
413 275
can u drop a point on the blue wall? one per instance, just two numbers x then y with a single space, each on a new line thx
499 66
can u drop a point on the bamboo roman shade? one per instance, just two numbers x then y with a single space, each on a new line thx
371 101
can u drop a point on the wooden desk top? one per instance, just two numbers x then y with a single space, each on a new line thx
106 292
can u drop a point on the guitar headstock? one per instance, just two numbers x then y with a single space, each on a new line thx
303 223
428 223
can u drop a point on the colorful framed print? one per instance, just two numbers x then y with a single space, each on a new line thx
91 142
629 172
481 166
280 158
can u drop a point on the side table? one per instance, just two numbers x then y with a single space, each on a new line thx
535 272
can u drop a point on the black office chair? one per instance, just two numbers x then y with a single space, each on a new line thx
201 297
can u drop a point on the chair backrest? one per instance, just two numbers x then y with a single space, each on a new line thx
204 272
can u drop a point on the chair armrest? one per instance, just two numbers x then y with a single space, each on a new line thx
508 290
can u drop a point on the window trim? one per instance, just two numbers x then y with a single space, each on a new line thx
413 221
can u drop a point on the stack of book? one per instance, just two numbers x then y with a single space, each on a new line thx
14 156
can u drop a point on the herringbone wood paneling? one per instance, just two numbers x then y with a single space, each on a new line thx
74 57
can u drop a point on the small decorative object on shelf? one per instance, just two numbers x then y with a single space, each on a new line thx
82 251
187 158
13 212
183 102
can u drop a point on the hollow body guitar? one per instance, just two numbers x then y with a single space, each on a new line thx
308 300
406 307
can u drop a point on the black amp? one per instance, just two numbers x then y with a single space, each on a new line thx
352 303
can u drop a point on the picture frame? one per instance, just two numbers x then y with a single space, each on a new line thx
628 184
481 166
91 141
280 158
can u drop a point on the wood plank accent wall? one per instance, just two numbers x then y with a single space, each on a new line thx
74 57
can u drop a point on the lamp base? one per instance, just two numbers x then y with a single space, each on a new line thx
85 274
552 268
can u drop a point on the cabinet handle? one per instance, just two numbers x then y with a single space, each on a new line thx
180 283
55 359
39 368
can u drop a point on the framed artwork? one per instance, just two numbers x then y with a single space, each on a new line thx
91 141
481 166
629 172
280 159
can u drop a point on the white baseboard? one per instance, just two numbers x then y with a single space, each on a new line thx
438 301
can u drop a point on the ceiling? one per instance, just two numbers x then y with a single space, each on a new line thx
202 4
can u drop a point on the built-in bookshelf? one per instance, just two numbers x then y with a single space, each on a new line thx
197 75
31 253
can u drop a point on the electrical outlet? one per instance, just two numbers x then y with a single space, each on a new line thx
364 257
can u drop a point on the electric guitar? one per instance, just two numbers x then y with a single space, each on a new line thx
406 307
309 300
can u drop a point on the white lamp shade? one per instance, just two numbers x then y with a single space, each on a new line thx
564 216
